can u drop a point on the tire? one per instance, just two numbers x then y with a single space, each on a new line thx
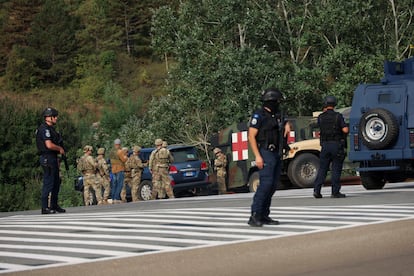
303 169
145 190
372 180
378 128
395 177
254 182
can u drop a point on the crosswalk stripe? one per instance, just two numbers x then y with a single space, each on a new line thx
69 249
85 237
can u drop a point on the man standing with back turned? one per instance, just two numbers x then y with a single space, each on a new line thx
118 158
47 142
332 126
264 134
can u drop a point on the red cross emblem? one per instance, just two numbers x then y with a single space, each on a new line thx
239 144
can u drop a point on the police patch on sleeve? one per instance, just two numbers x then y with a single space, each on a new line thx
254 120
47 133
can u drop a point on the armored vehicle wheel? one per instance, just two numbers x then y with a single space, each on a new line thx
303 169
395 177
254 182
378 128
372 180
145 190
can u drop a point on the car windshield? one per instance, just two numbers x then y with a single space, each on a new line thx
184 154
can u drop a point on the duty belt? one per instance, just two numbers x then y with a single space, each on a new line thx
270 147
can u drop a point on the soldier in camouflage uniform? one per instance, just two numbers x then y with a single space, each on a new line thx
220 164
127 176
160 161
136 166
87 166
103 174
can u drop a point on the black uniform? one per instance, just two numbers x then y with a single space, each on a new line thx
50 165
267 138
333 144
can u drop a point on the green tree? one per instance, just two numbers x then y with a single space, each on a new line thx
16 19
50 50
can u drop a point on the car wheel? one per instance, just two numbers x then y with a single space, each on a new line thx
372 180
303 169
145 190
378 128
254 181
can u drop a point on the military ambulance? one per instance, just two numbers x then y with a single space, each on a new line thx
300 163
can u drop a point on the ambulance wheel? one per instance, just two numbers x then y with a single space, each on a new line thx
303 169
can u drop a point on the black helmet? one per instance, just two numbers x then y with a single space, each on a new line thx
50 112
272 95
330 101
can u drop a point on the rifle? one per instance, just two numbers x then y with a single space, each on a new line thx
283 146
64 157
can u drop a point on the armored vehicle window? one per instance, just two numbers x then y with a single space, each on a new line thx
384 98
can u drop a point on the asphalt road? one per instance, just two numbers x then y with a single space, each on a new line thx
378 243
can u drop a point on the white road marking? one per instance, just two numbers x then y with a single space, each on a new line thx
109 235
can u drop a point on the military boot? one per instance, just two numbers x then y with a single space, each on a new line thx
255 220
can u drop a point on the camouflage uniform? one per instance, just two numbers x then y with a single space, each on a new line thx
220 164
87 166
135 164
103 174
159 163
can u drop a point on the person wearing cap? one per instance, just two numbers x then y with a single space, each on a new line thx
136 166
102 174
332 129
118 159
88 167
220 163
127 176
48 142
159 163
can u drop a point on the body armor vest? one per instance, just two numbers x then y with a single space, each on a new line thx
268 134
329 126
113 155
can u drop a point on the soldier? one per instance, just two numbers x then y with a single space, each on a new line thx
118 159
87 166
127 176
136 165
220 164
47 142
103 174
160 160
333 128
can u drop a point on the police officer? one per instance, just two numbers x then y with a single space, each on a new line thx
47 142
332 129
264 134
